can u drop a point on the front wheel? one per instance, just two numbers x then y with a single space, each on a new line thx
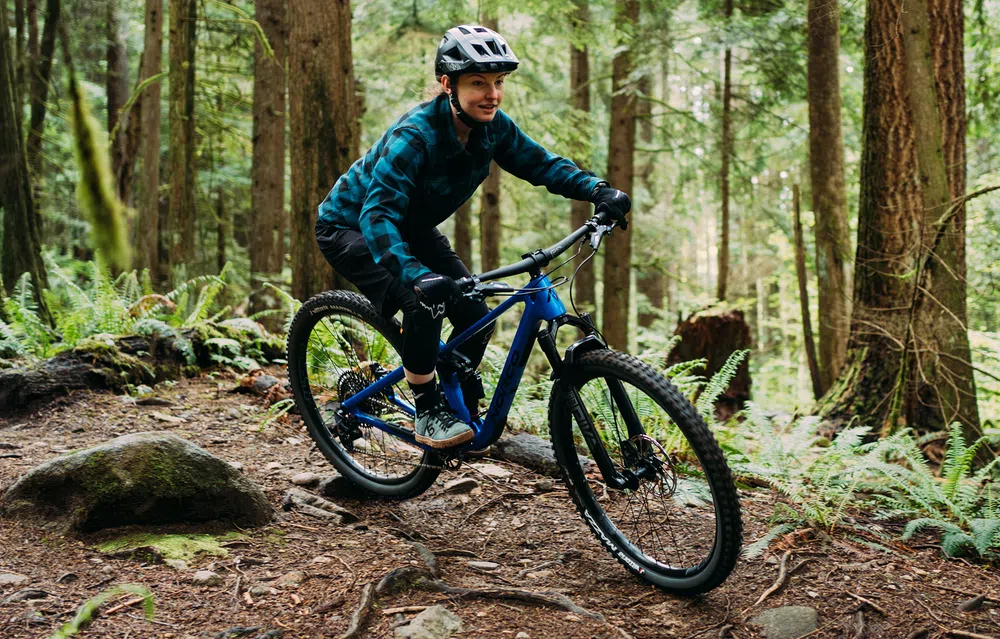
677 522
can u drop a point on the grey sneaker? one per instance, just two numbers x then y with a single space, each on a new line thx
439 428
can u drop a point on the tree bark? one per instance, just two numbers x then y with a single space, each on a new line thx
803 277
116 84
181 162
323 112
22 246
222 230
649 277
490 229
579 89
618 251
20 59
727 152
907 362
266 241
829 198
463 233
40 84
489 220
148 240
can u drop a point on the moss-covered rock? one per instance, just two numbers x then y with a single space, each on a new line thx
144 478
186 547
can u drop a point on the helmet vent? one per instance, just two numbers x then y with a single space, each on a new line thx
481 30
480 49
464 30
504 47
493 47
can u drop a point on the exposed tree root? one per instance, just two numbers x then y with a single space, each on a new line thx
360 617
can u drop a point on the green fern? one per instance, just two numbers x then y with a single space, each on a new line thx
87 611
719 383
757 548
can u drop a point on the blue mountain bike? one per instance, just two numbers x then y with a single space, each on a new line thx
661 499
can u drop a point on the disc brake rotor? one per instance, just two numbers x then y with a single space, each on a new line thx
654 457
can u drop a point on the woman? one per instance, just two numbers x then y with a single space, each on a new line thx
377 227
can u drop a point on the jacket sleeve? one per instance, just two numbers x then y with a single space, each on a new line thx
519 155
393 180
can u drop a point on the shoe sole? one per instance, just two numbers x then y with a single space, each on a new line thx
461 438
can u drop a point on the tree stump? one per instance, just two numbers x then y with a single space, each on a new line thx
715 334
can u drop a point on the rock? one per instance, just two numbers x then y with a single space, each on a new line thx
461 485
236 465
532 452
263 383
437 622
11 579
142 390
273 466
483 565
337 486
68 578
26 595
786 622
292 579
305 479
167 419
544 485
234 413
260 591
492 470
176 564
522 635
316 506
206 578
143 478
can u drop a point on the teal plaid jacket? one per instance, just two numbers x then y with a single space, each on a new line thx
418 174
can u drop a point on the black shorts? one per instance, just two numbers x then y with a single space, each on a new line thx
348 254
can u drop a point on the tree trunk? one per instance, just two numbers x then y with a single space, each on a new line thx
489 220
618 247
268 194
463 233
490 229
829 198
323 112
20 59
579 88
148 240
22 246
908 359
117 85
222 230
40 85
649 277
181 162
727 152
32 52
803 277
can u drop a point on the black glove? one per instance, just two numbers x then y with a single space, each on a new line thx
613 202
435 291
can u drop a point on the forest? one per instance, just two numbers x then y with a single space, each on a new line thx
811 259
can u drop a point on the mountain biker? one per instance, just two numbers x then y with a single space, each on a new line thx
377 226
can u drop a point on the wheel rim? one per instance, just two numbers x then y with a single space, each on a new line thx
343 355
669 522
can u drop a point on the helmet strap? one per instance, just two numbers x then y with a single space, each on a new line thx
466 119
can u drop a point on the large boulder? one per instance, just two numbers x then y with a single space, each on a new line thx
143 478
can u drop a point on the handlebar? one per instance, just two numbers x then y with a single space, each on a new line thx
596 228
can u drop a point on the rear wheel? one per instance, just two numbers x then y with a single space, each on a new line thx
338 345
679 525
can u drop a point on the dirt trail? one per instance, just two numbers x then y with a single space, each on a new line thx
338 561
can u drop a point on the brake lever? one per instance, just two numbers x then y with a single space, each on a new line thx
599 232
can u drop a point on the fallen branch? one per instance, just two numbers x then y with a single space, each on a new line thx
404 609
966 592
496 500
961 634
779 582
428 557
360 616
859 624
867 602
130 602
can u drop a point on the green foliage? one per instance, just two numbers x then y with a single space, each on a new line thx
719 383
86 612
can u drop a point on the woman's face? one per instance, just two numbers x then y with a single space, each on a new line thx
480 94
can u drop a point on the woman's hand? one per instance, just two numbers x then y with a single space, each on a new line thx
434 291
616 204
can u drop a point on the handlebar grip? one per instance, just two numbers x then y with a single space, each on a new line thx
466 284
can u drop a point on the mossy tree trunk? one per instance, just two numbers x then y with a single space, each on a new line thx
148 241
621 170
726 146
267 214
463 232
40 81
829 197
323 112
579 89
116 85
22 246
183 24
908 359
649 275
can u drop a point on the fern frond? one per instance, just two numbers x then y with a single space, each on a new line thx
719 383
757 548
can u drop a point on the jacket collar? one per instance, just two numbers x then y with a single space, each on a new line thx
481 138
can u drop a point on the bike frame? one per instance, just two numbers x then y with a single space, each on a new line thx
539 306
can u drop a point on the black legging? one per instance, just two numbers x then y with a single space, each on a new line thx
347 253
